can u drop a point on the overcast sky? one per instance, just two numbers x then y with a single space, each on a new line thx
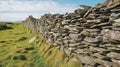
18 10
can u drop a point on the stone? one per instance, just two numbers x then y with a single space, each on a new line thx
107 27
82 51
95 21
84 32
97 49
114 55
106 45
114 16
78 11
69 50
89 44
74 44
114 49
111 35
74 28
87 13
87 65
115 10
117 20
117 24
93 16
104 24
87 60
100 66
116 61
65 22
116 29
98 55
74 36
113 5
91 40
102 62
32 39
56 35
92 30
84 7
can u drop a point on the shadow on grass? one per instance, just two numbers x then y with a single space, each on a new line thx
5 28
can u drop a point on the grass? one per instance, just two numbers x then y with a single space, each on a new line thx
16 51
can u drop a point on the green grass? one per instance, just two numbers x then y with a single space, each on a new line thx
13 45
15 51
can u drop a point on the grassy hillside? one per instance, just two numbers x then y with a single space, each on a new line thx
16 51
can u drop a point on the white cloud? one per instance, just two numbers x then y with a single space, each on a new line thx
43 6
17 16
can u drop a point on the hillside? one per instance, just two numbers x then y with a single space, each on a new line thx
16 51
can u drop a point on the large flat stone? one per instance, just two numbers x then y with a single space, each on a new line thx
114 55
74 36
74 44
87 60
91 40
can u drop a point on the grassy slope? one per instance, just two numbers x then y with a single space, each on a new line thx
15 51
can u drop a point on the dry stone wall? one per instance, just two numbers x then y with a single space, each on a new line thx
92 34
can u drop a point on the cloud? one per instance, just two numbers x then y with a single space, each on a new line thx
9 9
17 16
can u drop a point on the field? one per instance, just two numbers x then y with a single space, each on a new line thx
16 51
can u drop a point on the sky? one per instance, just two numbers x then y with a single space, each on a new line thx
19 10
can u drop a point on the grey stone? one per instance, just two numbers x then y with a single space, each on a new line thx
89 44
87 65
87 60
85 7
91 40
117 24
74 44
115 10
65 22
74 36
100 66
117 20
97 49
95 21
114 55
106 45
92 30
111 35
104 24
116 61
56 35
107 27
116 28
82 51
106 63
114 49
114 16
98 55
